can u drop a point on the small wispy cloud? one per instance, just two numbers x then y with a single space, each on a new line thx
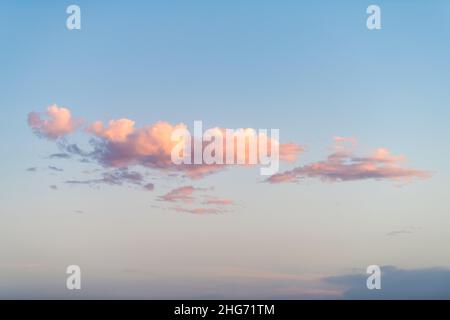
55 168
60 156
149 186
191 196
181 194
218 202
117 177
198 210
398 232
405 231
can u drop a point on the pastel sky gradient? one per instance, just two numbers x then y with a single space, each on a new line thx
363 116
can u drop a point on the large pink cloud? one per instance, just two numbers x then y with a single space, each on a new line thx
58 123
121 144
344 165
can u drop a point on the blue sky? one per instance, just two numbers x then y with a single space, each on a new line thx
313 70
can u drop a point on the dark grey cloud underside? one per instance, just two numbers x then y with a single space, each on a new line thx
397 284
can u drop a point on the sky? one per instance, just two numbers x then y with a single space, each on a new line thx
86 172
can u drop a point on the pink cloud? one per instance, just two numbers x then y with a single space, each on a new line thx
289 151
122 145
151 146
343 165
340 140
198 210
186 195
182 194
59 122
118 130
218 202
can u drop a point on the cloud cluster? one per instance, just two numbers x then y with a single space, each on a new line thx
344 165
120 144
